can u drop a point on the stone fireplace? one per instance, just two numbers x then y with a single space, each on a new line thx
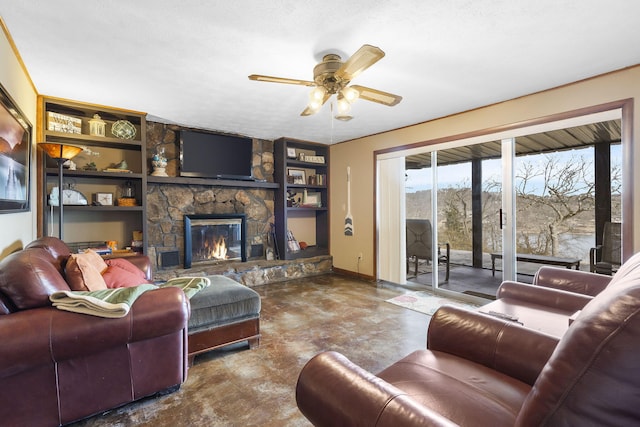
214 237
170 200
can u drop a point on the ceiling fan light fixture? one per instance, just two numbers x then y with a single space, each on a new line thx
350 93
317 94
344 106
314 105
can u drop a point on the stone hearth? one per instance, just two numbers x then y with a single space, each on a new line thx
255 273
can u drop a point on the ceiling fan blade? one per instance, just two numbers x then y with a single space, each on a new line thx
378 96
310 111
261 78
364 57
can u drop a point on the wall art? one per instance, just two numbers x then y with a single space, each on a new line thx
15 156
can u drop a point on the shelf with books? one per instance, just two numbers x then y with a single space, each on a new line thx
301 205
111 163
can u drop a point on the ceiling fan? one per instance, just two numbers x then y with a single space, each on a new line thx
332 76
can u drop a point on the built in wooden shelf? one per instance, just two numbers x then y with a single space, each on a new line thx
181 180
314 219
79 173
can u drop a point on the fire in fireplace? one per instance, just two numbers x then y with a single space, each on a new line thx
214 237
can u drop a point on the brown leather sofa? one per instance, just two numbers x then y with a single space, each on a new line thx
479 370
57 367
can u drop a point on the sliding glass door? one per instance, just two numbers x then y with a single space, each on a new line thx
464 213
562 197
497 209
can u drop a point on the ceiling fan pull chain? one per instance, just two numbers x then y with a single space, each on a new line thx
331 120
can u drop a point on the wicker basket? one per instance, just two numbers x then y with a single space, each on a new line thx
127 201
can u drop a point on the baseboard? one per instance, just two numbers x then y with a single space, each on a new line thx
353 274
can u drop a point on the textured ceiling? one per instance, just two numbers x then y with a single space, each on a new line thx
187 62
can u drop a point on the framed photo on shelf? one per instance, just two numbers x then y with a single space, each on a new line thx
62 123
314 159
103 199
15 155
298 175
314 199
291 152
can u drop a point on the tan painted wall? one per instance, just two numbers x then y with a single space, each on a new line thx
359 154
18 229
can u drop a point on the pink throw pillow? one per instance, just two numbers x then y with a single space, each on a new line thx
121 273
84 271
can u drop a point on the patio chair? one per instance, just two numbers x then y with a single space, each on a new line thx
419 237
607 257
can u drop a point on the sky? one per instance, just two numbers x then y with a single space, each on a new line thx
460 175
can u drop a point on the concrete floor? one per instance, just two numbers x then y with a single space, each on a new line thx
300 318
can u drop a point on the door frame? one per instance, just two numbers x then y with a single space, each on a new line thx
621 109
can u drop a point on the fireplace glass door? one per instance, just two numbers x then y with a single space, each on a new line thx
214 238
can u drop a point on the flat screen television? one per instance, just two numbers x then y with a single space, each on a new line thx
211 155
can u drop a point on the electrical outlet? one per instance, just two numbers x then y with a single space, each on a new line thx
360 257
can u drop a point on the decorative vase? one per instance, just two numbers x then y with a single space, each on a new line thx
159 167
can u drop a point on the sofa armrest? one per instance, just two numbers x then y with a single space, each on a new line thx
547 297
505 346
158 312
329 380
581 282
155 313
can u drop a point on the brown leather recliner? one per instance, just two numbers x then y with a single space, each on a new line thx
479 370
552 301
57 367
580 282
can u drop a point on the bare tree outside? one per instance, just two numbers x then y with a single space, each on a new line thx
457 215
555 195
491 204
564 203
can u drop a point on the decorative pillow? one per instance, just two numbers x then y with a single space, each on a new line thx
84 271
121 273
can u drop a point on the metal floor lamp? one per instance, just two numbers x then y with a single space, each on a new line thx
60 153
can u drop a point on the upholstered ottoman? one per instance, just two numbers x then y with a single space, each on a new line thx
224 313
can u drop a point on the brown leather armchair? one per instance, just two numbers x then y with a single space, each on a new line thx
579 282
551 302
479 370
57 367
